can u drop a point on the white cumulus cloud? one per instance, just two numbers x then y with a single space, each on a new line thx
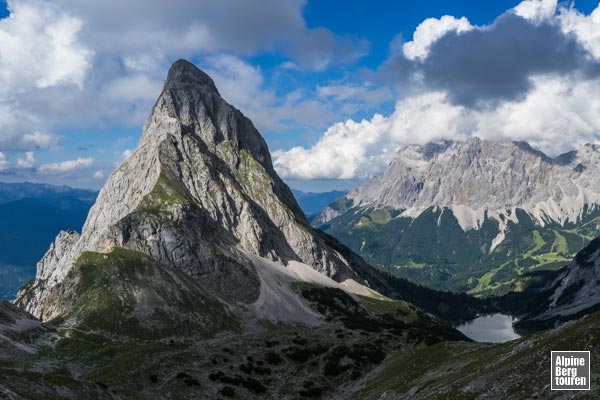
67 166
536 10
40 53
429 31
556 116
28 161
39 45
555 112
585 27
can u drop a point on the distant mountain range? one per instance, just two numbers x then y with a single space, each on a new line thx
313 203
474 215
31 215
63 197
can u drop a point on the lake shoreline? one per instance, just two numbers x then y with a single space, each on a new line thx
491 328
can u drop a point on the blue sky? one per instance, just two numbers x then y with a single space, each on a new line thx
334 90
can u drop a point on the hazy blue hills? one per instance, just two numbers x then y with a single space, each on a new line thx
30 217
63 197
313 203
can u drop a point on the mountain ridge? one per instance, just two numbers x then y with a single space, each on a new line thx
568 294
481 161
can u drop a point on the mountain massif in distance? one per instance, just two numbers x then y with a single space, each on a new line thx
197 275
313 203
474 216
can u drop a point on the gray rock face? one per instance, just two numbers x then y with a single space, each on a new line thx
197 194
576 290
477 176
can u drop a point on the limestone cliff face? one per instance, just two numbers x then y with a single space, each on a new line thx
198 194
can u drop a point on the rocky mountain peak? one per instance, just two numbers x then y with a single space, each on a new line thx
479 179
183 73
190 104
199 195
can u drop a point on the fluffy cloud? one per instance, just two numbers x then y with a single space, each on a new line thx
543 90
152 33
485 65
536 10
98 174
481 66
429 31
67 166
361 149
28 161
556 116
344 152
40 51
40 47
585 27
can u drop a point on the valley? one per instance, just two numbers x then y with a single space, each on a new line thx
31 215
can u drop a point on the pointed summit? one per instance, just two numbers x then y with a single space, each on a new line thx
191 104
184 73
